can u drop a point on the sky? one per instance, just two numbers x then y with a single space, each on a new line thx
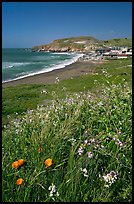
26 24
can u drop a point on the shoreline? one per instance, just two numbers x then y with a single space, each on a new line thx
75 69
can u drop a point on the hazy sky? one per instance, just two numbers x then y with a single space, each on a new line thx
25 24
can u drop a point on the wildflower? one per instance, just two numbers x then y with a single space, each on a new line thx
92 140
80 150
84 172
21 162
57 80
107 186
18 163
17 131
52 188
85 141
47 116
119 142
30 112
90 154
100 103
15 164
53 191
57 194
19 181
73 141
48 162
44 91
110 178
39 150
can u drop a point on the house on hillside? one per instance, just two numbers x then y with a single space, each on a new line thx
118 53
102 50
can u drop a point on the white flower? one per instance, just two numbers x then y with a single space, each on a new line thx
52 190
57 80
100 103
107 186
80 150
57 194
90 154
92 140
119 143
106 178
44 91
110 178
73 141
51 194
85 141
84 172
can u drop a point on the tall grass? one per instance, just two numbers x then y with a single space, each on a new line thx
17 99
87 135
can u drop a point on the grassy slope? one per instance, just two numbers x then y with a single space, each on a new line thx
110 42
20 98
119 42
85 132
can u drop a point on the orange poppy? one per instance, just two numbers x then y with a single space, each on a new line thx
48 162
15 164
19 181
21 162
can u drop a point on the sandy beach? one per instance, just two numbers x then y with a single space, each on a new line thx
73 70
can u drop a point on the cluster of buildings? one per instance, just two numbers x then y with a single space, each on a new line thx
114 52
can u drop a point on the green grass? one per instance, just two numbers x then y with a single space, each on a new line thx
119 42
110 42
22 97
90 117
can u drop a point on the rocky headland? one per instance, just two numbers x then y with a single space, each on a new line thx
82 44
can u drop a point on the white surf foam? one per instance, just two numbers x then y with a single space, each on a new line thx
9 65
44 70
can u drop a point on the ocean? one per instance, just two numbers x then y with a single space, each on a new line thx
19 63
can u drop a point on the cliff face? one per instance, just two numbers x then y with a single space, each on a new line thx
76 44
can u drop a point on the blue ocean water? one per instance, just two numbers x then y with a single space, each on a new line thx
20 63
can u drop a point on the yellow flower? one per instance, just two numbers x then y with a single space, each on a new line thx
21 162
48 162
15 164
19 181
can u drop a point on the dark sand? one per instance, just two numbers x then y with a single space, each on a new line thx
74 70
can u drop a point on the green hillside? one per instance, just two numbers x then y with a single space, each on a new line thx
119 42
81 43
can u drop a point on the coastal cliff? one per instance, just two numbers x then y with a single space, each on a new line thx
80 44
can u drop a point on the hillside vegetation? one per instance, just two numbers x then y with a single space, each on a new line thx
119 42
71 141
82 43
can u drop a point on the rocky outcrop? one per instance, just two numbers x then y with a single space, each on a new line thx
79 44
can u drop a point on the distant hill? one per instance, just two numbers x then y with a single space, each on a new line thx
81 44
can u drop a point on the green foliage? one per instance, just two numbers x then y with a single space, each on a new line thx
89 138
119 42
83 125
70 42
20 98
